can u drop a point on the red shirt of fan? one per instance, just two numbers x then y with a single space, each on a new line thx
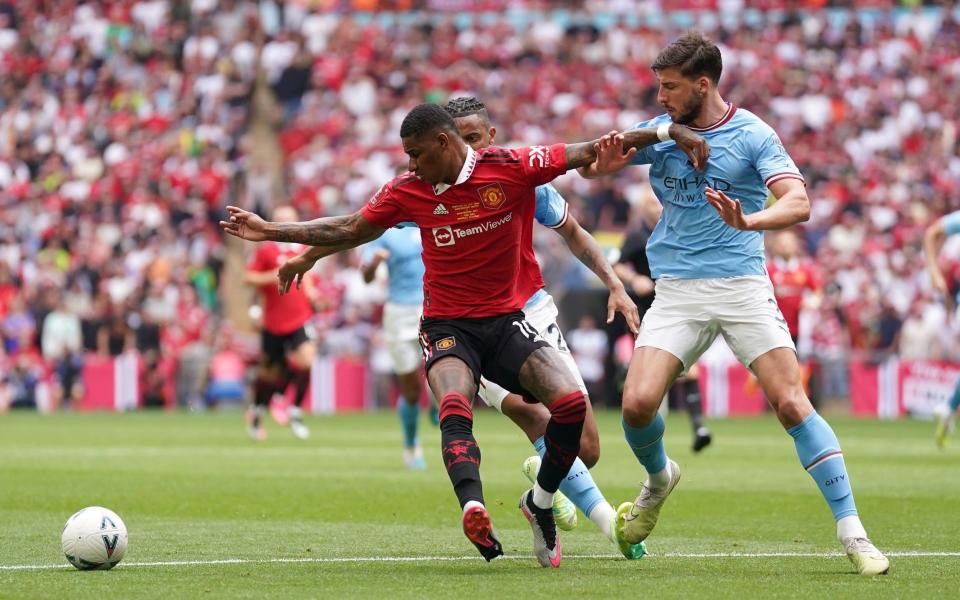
476 232
790 280
281 314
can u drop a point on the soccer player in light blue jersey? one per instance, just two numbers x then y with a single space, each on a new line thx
473 121
933 240
400 248
706 255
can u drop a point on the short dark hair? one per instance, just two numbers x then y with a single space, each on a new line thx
694 54
425 118
466 106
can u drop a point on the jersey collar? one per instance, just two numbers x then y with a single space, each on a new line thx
465 173
723 120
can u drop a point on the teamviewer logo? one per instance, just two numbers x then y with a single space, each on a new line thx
443 236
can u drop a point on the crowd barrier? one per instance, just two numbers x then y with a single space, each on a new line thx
888 389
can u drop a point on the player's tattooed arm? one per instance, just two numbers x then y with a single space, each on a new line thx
614 151
589 252
332 233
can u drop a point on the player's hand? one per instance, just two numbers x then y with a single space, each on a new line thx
244 224
610 155
293 269
620 302
729 209
694 146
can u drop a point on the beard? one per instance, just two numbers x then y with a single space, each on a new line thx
691 110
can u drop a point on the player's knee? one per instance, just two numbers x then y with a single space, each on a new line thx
640 405
792 405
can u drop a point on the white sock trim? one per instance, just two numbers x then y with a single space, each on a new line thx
541 497
470 504
850 527
660 479
602 516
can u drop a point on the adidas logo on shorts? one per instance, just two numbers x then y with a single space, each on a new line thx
440 210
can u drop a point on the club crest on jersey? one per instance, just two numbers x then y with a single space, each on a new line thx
492 196
443 236
446 343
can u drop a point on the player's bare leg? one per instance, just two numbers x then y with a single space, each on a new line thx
652 371
452 382
819 451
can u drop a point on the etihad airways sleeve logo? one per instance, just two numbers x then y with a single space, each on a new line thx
448 234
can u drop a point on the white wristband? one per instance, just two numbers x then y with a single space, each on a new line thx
663 132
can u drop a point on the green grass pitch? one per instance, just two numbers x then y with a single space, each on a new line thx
213 515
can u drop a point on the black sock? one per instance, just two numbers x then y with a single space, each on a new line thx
691 395
262 392
301 379
562 440
461 455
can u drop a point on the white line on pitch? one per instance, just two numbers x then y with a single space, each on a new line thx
362 559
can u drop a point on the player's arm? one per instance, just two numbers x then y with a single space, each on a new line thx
333 233
933 239
792 206
295 268
588 251
641 285
614 151
369 268
258 278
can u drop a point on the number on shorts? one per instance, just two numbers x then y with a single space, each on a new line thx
561 344
528 331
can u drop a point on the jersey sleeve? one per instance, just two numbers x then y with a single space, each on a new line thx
552 209
543 164
383 209
951 223
644 156
771 158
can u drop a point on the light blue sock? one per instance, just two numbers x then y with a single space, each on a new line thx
578 485
409 415
647 444
955 399
819 453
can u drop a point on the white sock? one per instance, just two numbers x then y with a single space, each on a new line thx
470 504
541 497
660 479
850 527
295 412
602 516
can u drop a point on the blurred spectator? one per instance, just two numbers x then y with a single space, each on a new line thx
62 343
589 346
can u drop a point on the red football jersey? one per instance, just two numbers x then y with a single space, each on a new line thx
790 279
474 232
281 314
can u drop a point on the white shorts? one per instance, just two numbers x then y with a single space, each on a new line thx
688 314
543 317
401 334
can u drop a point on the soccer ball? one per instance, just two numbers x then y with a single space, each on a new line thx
94 538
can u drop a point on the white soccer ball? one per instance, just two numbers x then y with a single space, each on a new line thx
94 538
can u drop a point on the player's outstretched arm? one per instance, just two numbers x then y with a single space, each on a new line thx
613 151
333 233
792 207
933 239
588 251
369 269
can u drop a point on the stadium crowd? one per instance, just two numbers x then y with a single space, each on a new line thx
125 130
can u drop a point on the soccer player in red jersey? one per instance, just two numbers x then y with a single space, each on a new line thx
794 279
473 208
287 352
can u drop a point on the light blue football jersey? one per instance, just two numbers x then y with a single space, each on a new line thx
951 223
551 212
691 241
405 264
